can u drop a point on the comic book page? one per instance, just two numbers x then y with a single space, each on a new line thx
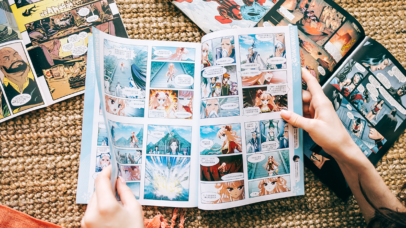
216 15
327 33
368 94
147 92
55 34
247 152
8 26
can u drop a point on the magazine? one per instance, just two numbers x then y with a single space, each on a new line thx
43 50
195 123
365 83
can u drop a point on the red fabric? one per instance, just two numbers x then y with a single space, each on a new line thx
346 92
336 86
11 218
223 20
160 222
357 97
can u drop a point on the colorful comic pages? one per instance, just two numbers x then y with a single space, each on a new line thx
198 124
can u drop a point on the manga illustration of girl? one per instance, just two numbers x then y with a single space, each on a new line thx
375 110
231 141
265 102
173 147
115 106
131 173
205 55
160 101
104 161
264 78
357 127
271 166
230 191
271 133
185 101
170 73
272 185
177 56
375 58
134 140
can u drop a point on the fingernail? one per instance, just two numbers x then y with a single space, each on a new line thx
121 180
286 114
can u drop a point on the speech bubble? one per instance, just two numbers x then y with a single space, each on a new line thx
92 18
83 35
250 73
277 89
79 50
214 72
130 92
276 60
361 88
250 126
391 100
157 113
252 111
267 24
227 106
373 91
385 81
84 12
254 194
158 134
374 82
136 103
255 158
267 146
102 150
209 161
68 47
163 53
20 99
350 115
249 65
396 72
184 80
183 115
321 70
209 196
73 38
264 37
121 53
349 107
360 67
206 143
232 176
226 60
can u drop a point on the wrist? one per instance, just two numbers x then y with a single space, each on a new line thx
347 151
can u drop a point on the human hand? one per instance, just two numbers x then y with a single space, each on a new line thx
320 120
104 210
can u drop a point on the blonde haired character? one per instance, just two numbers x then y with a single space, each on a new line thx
264 78
171 72
265 102
115 106
231 141
205 55
272 185
230 191
160 101
271 166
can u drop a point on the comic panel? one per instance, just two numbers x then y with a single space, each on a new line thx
268 164
9 29
343 40
126 135
262 52
135 188
20 89
130 172
4 110
102 137
171 104
207 54
308 62
219 81
124 107
130 157
226 168
265 78
223 192
169 140
220 139
266 135
265 99
103 158
219 107
269 186
172 75
125 68
167 178
223 50
173 54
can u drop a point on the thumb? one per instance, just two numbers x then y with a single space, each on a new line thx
295 119
126 195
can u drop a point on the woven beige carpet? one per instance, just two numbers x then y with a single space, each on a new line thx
39 158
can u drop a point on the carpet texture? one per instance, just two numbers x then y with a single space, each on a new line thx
39 158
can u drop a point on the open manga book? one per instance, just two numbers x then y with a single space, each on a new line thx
194 123
365 83
43 50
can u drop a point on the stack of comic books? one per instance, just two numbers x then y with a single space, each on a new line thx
43 50
195 124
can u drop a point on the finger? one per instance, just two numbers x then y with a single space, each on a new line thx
306 108
90 210
127 196
296 120
312 84
104 191
306 96
306 115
